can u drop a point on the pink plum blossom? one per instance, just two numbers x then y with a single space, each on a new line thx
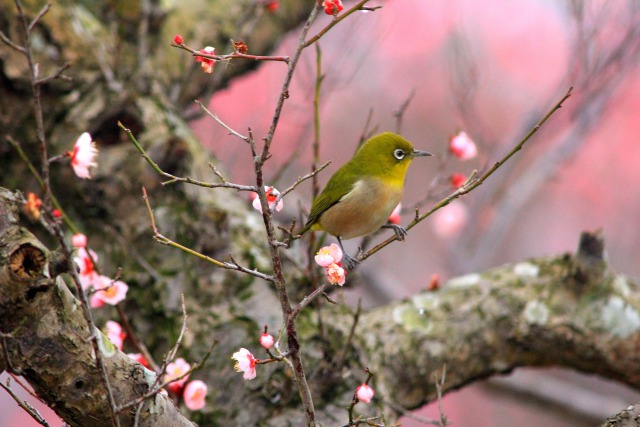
245 362
462 146
364 393
194 394
115 333
177 39
272 195
266 340
139 358
87 271
79 240
394 218
450 221
457 179
332 7
175 370
336 274
109 291
328 255
32 207
207 63
83 156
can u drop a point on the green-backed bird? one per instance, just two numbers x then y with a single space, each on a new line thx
361 195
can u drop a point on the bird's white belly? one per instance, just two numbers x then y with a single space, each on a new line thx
362 211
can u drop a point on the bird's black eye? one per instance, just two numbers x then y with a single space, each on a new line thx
398 154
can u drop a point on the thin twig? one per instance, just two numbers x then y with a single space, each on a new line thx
399 114
233 265
139 345
295 311
223 124
173 178
439 384
24 405
335 22
299 181
405 412
229 56
345 348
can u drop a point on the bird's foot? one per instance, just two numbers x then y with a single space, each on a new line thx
400 231
349 263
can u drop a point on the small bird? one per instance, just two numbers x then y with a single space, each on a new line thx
361 195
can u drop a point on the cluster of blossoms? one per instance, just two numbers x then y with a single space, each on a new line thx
193 393
104 289
450 222
246 363
272 195
329 257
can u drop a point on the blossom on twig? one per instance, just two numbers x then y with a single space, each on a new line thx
245 362
115 334
83 156
207 63
462 146
332 7
328 255
394 218
175 370
108 291
194 394
32 207
266 340
272 195
364 393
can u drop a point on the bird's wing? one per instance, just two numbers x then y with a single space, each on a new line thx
332 194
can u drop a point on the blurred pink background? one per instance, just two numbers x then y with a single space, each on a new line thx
492 68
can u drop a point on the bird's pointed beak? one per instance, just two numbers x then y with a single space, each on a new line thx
420 153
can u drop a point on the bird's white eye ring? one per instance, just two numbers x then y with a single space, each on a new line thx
398 154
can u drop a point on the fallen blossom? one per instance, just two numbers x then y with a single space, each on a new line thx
175 370
109 291
462 146
83 156
266 340
328 255
194 394
32 207
207 63
364 393
115 333
245 362
272 195
394 218
332 7
336 275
